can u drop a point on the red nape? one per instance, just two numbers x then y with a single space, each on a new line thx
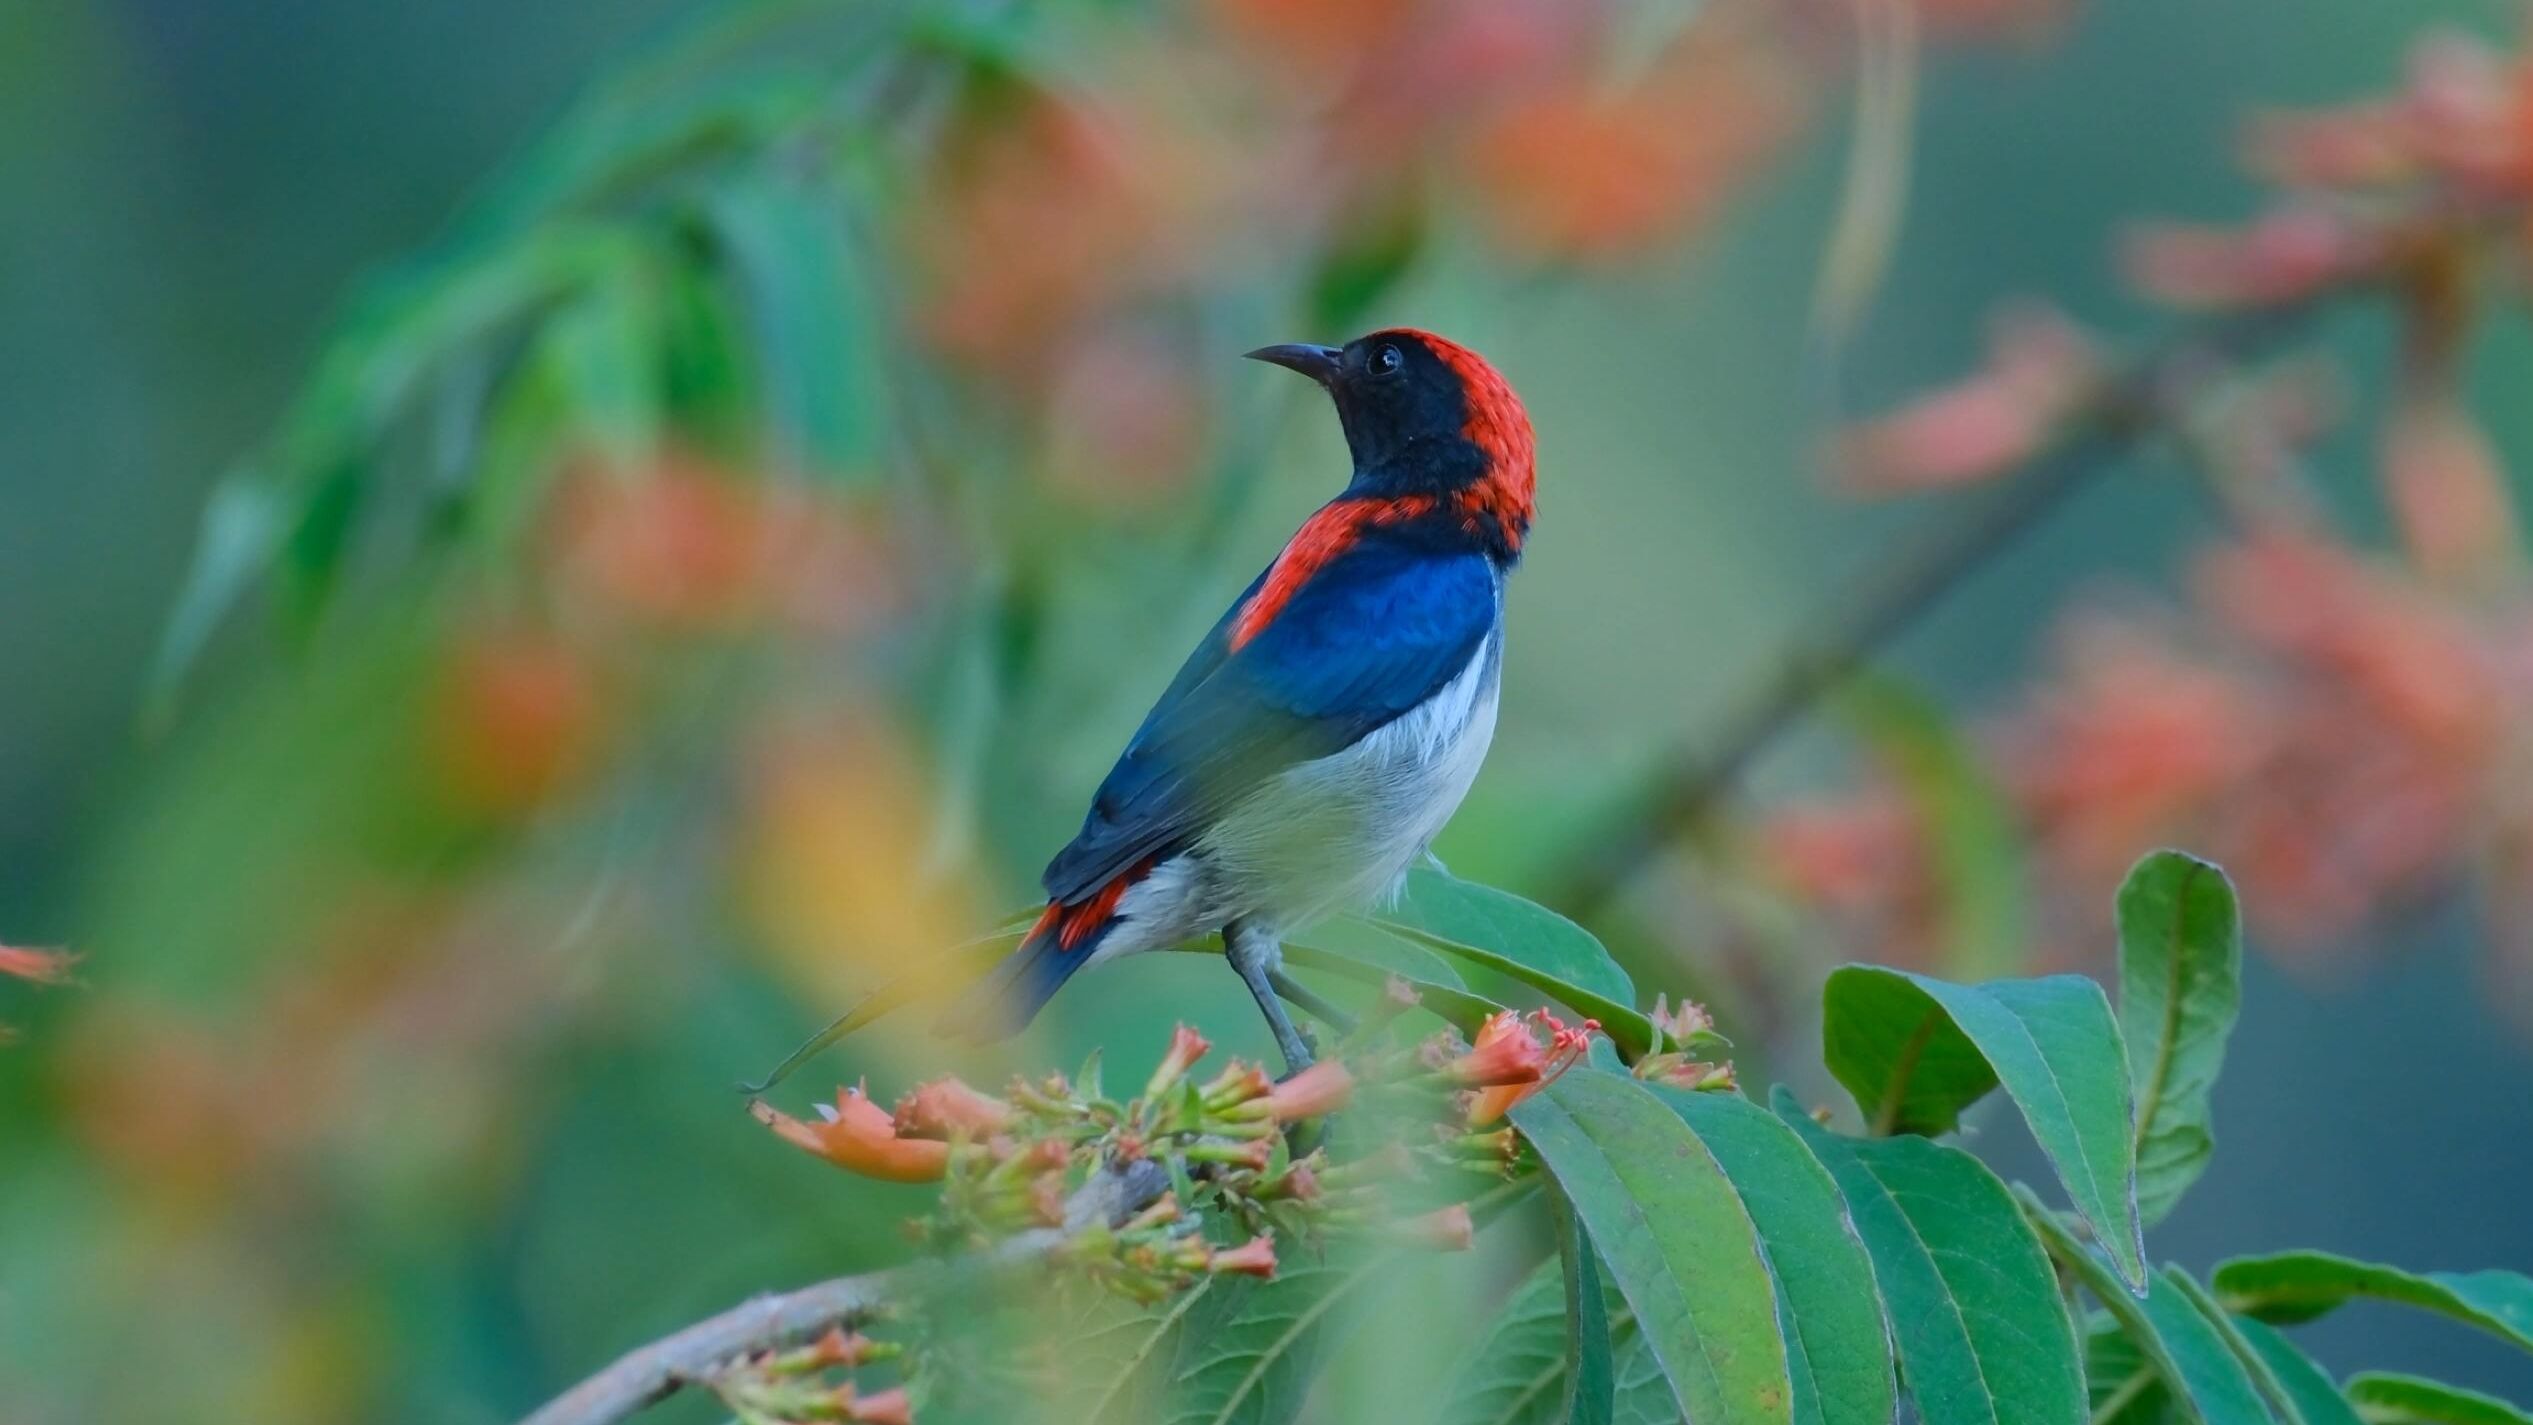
1322 537
1498 425
1076 923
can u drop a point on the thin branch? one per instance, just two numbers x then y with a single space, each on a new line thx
650 1374
1891 597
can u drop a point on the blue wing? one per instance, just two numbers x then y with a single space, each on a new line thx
1376 632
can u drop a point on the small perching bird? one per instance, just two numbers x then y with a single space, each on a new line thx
1313 745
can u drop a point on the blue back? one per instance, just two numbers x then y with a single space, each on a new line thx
1375 632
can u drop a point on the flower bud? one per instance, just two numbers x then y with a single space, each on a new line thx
1255 1258
1186 1047
948 1108
1321 1089
1446 1229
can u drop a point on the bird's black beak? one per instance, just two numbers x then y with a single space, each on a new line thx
1319 363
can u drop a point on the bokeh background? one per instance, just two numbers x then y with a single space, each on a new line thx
545 549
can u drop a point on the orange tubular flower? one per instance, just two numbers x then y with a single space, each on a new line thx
1322 1088
1566 1044
1505 1053
1253 1258
1186 1047
1446 1229
948 1108
887 1407
43 967
859 1137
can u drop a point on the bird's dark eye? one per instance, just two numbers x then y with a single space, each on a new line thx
1385 359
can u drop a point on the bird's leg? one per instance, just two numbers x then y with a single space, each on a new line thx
1257 957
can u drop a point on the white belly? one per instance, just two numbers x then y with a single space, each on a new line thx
1326 835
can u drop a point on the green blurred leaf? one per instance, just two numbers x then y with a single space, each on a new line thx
1838 1350
1915 1051
1530 943
2306 1387
2289 1287
1675 1237
1972 1304
1517 1373
2383 1398
1590 1374
2181 965
241 527
1972 828
1246 1356
803 287
2123 1386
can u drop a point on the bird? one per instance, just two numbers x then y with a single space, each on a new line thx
1318 738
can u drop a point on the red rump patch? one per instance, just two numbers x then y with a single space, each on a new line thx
1497 425
1325 535
1076 923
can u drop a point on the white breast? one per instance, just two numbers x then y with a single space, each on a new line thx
1338 832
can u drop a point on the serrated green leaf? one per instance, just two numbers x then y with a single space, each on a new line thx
1838 1350
1246 1355
1504 933
2315 1399
1973 1307
2383 1398
1916 1050
2289 1287
2181 965
1517 1373
1675 1239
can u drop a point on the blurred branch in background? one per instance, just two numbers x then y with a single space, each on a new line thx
2344 726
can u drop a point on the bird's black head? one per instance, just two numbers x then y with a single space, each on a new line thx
1427 418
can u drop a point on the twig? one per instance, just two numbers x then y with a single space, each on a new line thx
1891 597
650 1374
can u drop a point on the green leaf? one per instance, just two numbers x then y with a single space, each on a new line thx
1973 831
1915 1051
241 527
1248 1355
1517 1372
2123 1386
2298 1286
1365 943
2181 965
2305 1385
1448 1001
1676 1240
1590 1374
1838 1351
1504 933
2383 1398
2210 1385
816 335
1973 1307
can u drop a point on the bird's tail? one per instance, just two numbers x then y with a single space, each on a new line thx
1062 941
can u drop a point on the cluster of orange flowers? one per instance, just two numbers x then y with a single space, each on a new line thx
794 1387
1019 1162
1068 231
2345 730
38 967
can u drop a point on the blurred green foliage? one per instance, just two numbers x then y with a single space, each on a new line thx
655 619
